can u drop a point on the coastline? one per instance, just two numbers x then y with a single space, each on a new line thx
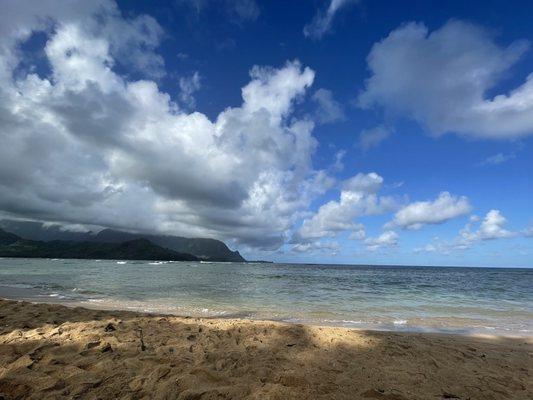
52 351
34 295
466 301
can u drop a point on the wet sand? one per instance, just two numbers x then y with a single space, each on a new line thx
52 352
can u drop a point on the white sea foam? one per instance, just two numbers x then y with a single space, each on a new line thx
400 322
342 321
18 285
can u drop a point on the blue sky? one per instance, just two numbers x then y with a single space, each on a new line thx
313 131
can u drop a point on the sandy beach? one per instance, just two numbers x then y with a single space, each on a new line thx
51 351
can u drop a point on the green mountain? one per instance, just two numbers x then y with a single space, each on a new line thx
138 249
204 249
7 238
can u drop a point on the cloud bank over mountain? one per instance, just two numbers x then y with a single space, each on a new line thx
89 145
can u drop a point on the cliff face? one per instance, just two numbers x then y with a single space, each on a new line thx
204 249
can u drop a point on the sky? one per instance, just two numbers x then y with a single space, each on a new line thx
324 131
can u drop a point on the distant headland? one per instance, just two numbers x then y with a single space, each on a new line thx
35 240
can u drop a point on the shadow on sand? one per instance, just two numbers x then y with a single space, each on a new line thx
53 352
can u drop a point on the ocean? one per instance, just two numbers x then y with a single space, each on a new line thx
492 301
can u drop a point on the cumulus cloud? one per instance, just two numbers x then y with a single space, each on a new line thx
129 42
491 227
84 144
328 109
369 183
322 21
373 137
442 80
386 240
358 197
445 207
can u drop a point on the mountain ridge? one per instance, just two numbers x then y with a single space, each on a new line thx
138 249
203 248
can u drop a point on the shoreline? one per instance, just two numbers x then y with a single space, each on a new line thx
53 351
465 301
421 266
40 297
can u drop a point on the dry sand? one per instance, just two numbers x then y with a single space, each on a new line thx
53 352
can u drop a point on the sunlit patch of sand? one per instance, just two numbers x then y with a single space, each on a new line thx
50 351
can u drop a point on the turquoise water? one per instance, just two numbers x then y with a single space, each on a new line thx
464 300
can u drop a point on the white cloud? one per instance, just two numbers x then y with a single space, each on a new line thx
67 227
358 197
130 42
386 240
499 158
322 21
373 137
442 79
188 86
491 227
428 248
442 209
363 183
328 109
438 246
89 146
338 165
312 247
397 185
275 91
